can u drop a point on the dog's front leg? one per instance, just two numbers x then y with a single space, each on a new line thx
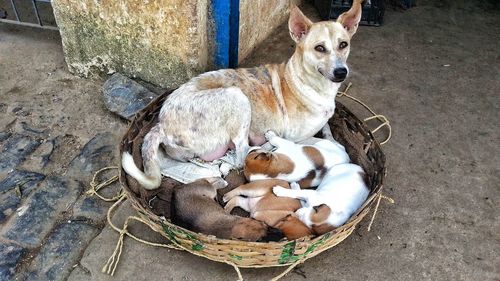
297 194
240 139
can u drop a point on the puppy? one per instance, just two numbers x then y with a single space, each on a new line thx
194 207
337 198
235 107
305 164
258 199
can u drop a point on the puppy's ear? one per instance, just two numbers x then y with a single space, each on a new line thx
350 19
263 156
298 24
321 215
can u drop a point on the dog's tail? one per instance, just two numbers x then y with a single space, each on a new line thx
151 177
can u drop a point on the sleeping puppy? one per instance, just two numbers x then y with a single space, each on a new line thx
258 199
305 164
337 198
194 207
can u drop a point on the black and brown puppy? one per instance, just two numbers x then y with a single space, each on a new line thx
194 207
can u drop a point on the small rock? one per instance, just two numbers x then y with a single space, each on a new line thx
30 130
19 111
99 152
124 96
10 255
41 210
61 252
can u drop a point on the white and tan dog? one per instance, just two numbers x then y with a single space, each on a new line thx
341 193
229 108
305 164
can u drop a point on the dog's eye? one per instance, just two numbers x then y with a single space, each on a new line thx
343 45
320 48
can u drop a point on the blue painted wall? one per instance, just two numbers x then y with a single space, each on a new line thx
226 15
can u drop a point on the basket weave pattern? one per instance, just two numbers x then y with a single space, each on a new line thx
346 128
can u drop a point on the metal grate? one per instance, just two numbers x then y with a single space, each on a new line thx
18 14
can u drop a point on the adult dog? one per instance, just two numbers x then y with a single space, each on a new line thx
231 108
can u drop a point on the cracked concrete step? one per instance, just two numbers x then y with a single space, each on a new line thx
38 215
15 150
61 252
19 184
10 256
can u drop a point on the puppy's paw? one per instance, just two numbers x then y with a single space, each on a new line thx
225 168
295 186
280 191
229 206
269 135
228 196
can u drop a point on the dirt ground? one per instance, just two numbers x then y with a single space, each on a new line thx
433 70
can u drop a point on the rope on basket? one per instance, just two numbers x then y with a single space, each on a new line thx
112 262
379 117
380 196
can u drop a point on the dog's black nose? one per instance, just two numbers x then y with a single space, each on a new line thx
339 74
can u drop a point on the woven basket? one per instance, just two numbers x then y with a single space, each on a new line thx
360 144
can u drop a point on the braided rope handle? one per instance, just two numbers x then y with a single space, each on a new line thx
381 118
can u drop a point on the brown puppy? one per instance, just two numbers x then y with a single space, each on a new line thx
258 199
194 207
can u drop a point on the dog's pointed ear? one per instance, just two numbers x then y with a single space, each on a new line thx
350 19
298 24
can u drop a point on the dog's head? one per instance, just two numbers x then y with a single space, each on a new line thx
266 163
324 46
293 228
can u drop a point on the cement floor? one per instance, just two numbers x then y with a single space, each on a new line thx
434 72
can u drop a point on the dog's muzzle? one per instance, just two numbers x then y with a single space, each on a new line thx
339 74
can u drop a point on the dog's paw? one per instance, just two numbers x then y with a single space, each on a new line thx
269 135
227 197
295 186
280 191
229 207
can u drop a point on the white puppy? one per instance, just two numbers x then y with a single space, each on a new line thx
305 164
337 198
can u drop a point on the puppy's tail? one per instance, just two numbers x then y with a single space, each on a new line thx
151 177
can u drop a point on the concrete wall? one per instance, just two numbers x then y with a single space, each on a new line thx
160 41
164 42
258 18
